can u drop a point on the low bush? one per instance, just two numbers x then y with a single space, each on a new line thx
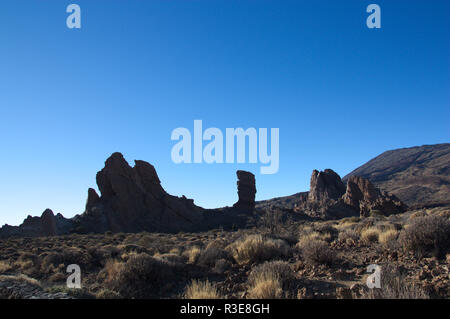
317 252
202 290
428 235
370 235
256 248
141 276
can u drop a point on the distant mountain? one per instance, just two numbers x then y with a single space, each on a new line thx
417 175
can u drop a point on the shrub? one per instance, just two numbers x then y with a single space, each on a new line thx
210 255
140 277
427 235
388 238
99 255
370 235
393 286
267 281
221 266
317 252
328 232
256 248
201 290
349 220
193 254
268 287
349 237
5 266
304 238
69 255
107 294
279 269
170 258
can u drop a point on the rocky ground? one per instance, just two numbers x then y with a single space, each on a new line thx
279 259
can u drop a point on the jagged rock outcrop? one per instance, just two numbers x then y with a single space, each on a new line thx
362 194
325 185
330 198
132 199
36 226
92 198
246 190
48 223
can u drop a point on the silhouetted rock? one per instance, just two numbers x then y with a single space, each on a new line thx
132 199
92 199
48 223
246 190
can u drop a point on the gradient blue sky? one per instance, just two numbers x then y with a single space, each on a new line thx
339 92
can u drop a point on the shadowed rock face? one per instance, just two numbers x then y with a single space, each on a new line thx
132 199
246 190
330 198
48 223
92 199
363 195
325 185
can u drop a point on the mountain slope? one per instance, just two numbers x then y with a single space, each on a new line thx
417 175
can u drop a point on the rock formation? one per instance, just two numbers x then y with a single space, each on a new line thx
132 199
325 185
48 223
363 195
330 198
33 226
92 199
246 190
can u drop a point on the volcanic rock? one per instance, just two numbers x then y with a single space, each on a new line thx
48 223
325 185
92 199
246 190
363 195
132 199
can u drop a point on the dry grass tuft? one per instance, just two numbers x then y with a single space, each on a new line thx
202 290
370 235
5 266
267 286
256 248
388 238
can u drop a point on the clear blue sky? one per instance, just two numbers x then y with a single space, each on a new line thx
339 92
